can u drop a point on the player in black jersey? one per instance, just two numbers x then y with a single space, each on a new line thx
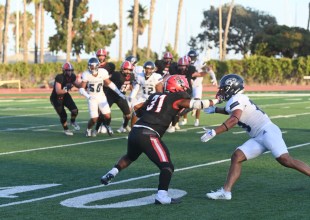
164 64
123 81
101 55
60 97
145 137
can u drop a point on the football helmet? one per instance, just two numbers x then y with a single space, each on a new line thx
93 64
183 64
149 68
230 85
167 58
132 59
193 55
176 83
101 55
67 68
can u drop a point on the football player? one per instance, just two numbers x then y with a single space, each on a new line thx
123 81
164 64
146 135
146 83
94 79
61 97
265 135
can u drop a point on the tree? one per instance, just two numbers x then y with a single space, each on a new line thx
282 40
19 28
42 11
87 35
152 8
141 20
177 26
120 25
5 31
37 30
2 9
25 32
244 25
227 29
69 31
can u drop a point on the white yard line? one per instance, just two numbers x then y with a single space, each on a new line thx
127 180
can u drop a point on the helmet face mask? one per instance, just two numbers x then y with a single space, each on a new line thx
101 55
183 64
149 68
230 85
67 69
93 65
176 83
167 58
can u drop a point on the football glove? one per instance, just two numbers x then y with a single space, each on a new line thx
209 110
210 133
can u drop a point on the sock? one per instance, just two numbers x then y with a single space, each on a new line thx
114 171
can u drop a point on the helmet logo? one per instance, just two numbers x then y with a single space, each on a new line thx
230 81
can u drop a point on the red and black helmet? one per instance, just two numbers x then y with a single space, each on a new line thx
127 65
67 68
176 83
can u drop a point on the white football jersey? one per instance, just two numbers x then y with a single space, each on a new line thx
252 119
147 86
198 65
95 83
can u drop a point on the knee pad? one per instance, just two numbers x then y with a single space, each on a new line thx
74 112
169 166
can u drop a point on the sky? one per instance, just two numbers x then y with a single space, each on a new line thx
287 12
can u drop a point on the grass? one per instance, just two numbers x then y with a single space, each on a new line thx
34 151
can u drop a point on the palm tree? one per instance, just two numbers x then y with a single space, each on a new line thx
120 43
152 7
42 33
1 26
36 32
176 38
142 22
227 29
220 32
135 27
69 32
25 31
5 32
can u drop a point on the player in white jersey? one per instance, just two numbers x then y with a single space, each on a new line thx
197 85
146 83
265 135
94 79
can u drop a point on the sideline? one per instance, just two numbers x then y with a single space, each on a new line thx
128 180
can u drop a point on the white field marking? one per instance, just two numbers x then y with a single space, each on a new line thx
241 132
128 180
278 94
60 146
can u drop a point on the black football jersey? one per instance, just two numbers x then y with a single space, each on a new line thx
65 81
173 70
110 67
158 110
121 81
162 68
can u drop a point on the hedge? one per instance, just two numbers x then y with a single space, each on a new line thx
254 69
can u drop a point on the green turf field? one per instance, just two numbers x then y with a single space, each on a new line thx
47 175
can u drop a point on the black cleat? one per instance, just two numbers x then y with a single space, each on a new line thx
109 130
173 201
106 179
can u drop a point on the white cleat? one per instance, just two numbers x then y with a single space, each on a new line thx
121 130
68 132
75 126
171 129
184 122
177 127
102 129
196 124
88 133
219 194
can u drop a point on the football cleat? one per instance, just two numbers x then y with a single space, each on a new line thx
219 194
102 129
106 179
196 124
121 130
88 133
177 127
94 133
68 132
165 200
128 128
171 129
184 122
75 126
109 130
